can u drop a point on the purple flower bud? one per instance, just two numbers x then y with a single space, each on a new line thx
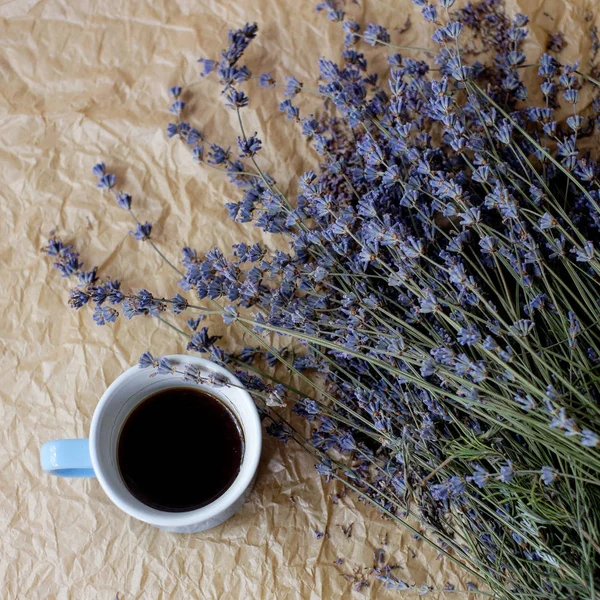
123 200
506 472
99 169
142 231
165 367
147 360
178 304
549 475
236 99
289 109
480 476
429 12
78 298
177 107
249 147
106 182
266 80
376 34
453 29
571 96
292 87
590 439
230 314
208 66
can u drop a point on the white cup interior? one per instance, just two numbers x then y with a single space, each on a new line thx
125 394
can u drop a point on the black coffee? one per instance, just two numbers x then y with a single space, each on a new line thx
180 449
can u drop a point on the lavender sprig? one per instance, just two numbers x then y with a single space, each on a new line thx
442 279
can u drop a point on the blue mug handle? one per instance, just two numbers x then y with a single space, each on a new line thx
67 458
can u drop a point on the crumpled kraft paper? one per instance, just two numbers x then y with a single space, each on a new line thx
84 81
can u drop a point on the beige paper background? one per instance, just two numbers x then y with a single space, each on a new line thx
85 80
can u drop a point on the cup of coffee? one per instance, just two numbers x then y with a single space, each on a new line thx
179 455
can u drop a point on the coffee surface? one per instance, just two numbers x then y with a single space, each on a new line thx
180 449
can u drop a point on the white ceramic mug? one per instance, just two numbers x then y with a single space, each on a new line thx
97 456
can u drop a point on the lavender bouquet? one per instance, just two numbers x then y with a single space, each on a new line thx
439 298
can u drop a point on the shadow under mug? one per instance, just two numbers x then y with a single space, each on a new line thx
97 456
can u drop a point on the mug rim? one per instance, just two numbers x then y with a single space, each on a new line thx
252 432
